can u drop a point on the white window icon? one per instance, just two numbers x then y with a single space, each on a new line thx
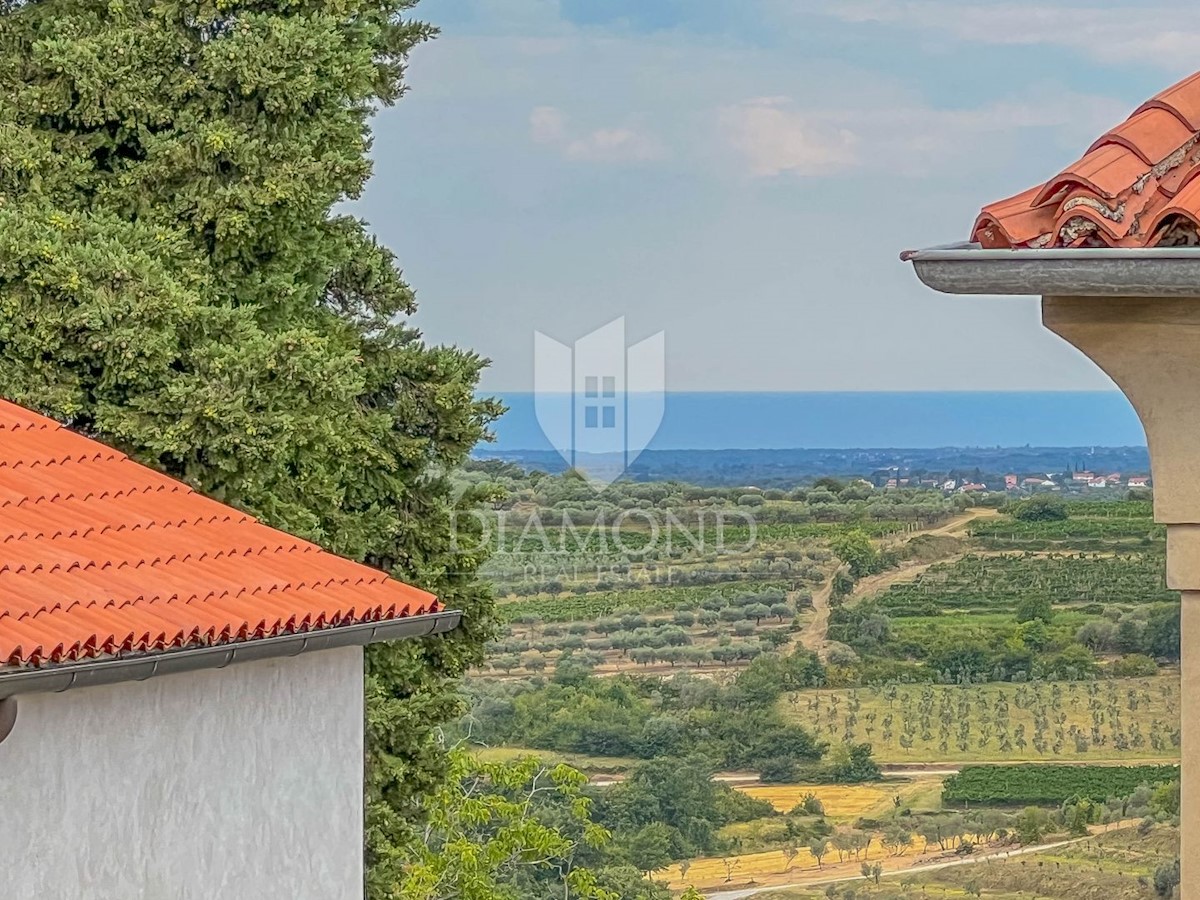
600 406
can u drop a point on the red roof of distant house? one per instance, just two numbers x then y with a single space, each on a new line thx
101 556
1138 186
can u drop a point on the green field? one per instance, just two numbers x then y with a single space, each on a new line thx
1001 582
591 606
1083 533
1040 722
1048 784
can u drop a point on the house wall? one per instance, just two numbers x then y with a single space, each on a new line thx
239 784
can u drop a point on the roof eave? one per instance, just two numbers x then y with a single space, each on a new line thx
117 669
969 269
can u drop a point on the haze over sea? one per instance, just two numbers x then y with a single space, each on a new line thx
779 421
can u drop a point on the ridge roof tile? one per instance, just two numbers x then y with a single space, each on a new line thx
1132 188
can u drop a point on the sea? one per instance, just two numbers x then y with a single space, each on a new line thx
778 421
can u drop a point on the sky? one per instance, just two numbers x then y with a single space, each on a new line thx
742 175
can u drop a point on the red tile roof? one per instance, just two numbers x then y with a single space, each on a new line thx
1138 186
101 556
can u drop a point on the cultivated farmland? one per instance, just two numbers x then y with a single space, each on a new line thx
1124 719
1022 785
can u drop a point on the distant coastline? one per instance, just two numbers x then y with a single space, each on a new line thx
785 421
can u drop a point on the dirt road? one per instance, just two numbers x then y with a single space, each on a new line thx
815 634
816 879
960 522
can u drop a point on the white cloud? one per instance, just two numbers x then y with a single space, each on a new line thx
776 136
615 145
1163 35
548 126
775 139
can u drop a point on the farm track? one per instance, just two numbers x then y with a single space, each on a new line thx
959 523
816 879
815 635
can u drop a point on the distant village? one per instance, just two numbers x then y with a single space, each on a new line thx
956 483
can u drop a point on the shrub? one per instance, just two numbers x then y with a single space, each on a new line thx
1042 508
779 770
1135 665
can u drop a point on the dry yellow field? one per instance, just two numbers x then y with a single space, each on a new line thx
712 871
772 867
848 801
838 800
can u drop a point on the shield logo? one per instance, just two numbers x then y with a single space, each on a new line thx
598 402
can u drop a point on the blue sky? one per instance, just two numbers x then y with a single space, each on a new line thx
742 174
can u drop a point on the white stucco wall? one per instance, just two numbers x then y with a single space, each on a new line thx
238 784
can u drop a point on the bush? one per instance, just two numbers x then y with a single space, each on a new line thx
853 765
1042 508
779 770
1167 879
809 805
841 655
1135 665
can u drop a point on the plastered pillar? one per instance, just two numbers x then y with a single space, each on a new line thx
1151 348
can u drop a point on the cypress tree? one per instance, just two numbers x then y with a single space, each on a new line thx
176 279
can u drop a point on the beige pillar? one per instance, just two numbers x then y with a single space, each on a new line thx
1151 348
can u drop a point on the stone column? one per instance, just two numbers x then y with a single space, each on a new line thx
1151 348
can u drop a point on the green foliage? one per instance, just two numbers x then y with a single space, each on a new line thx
843 584
174 281
1091 533
1167 879
1108 509
853 764
987 582
810 805
1079 814
1162 633
598 604
1131 718
819 848
1040 508
628 883
1049 783
855 549
770 676
493 827
650 847
672 809
1166 798
737 726
1135 665
778 770
1031 825
1035 608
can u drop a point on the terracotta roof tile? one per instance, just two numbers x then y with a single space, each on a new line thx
102 556
1181 100
1134 187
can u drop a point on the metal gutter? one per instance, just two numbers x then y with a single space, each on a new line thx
1116 272
114 670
